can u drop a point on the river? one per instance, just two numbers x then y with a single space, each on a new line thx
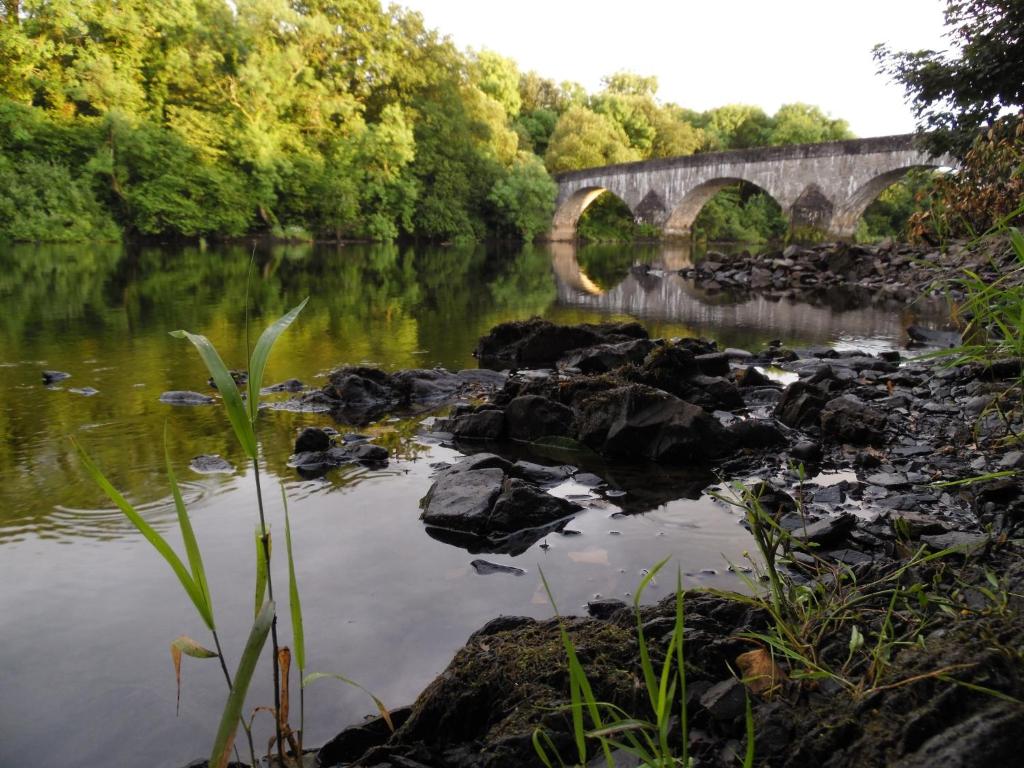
88 609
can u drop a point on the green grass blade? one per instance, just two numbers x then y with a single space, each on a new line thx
384 711
159 543
261 571
650 679
680 658
195 559
298 638
243 677
237 413
748 757
261 353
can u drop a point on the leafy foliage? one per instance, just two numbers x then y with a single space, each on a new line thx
957 92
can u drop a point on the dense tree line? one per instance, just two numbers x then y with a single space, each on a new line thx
324 118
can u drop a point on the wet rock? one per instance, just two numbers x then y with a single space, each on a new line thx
800 406
960 541
713 363
353 742
751 377
638 421
482 425
806 450
888 479
52 377
523 505
211 464
463 500
539 474
847 419
987 738
241 378
605 607
183 397
830 495
933 338
602 358
756 434
485 567
531 417
312 439
487 503
288 385
360 394
725 701
828 531
368 453
538 343
317 463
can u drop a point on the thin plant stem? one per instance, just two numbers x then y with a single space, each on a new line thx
273 623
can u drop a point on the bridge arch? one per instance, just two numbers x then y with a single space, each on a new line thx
680 221
847 215
568 213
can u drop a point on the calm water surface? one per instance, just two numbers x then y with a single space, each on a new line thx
87 610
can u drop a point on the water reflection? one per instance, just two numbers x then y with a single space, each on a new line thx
644 283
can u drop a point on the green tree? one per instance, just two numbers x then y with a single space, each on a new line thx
586 139
805 124
525 198
498 77
956 92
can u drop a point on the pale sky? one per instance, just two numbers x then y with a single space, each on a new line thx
708 53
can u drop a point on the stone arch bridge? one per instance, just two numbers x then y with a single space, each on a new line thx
824 187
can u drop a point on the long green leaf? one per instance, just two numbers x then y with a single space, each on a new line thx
650 680
261 353
195 559
243 677
228 390
298 638
261 570
159 543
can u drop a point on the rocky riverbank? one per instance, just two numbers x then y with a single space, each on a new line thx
885 272
866 461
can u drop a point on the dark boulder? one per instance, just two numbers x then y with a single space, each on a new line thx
751 377
360 394
602 358
800 406
537 343
312 439
848 419
480 425
530 417
478 497
756 434
637 421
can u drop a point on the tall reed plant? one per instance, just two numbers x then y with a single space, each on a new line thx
243 415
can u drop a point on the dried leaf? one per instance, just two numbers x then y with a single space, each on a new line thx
189 647
760 672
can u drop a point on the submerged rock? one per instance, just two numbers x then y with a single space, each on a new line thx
485 567
185 397
52 377
211 464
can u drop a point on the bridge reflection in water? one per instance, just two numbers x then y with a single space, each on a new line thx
660 295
